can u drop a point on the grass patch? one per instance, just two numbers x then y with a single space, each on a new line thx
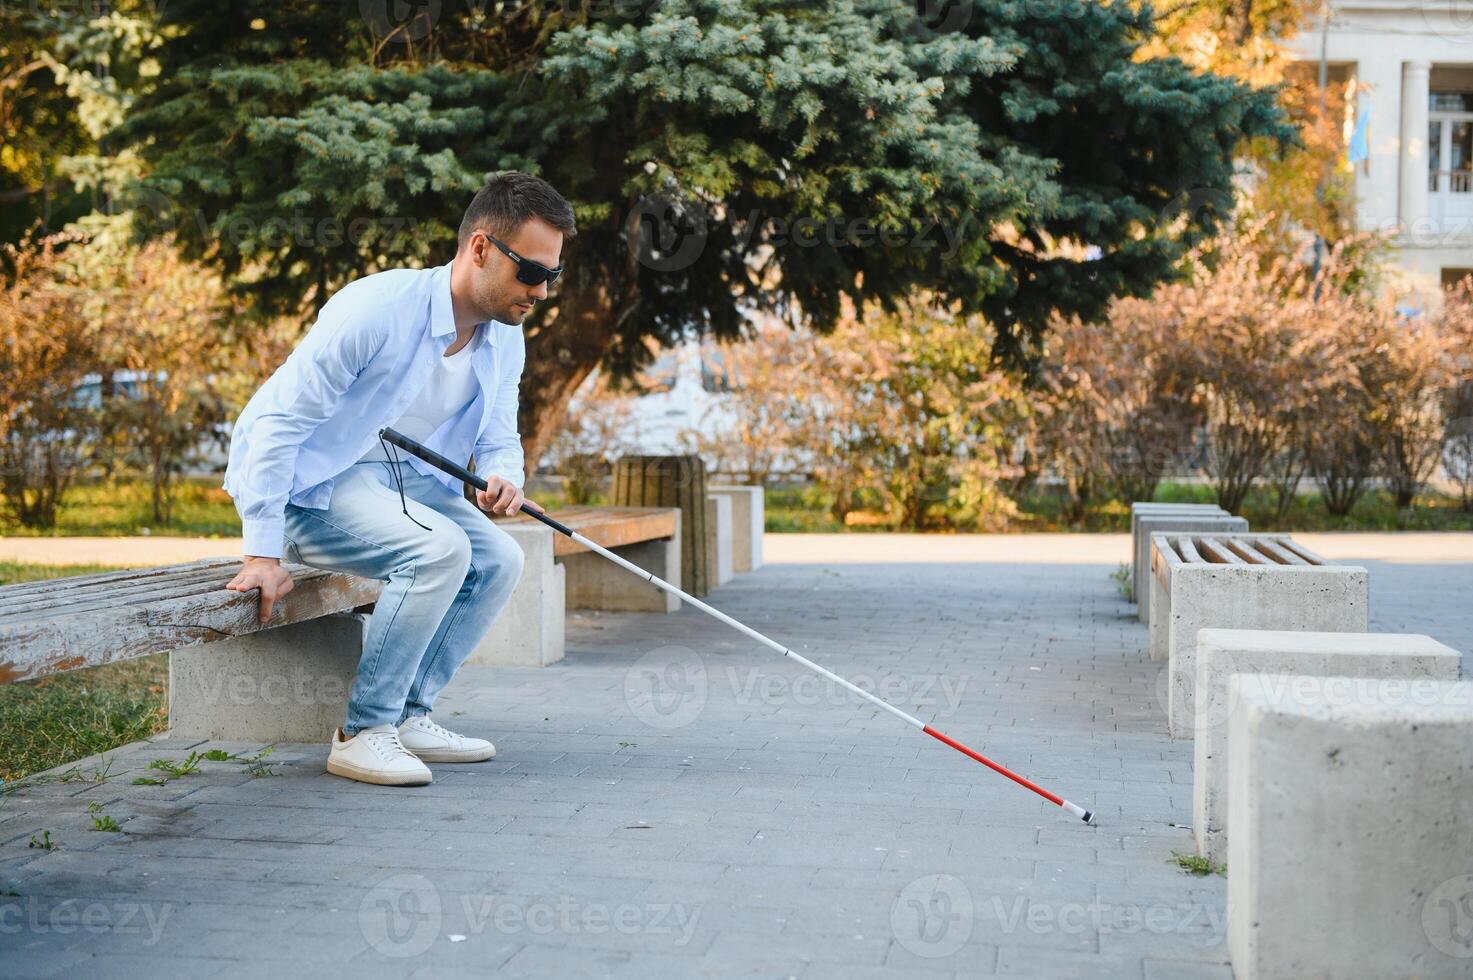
1124 583
65 717
124 507
807 509
121 507
1199 866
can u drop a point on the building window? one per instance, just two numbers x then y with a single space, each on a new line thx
1450 143
1451 102
1452 276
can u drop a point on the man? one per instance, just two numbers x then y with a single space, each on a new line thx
436 354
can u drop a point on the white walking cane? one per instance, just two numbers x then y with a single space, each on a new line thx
456 470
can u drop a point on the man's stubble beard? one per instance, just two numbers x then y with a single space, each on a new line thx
494 306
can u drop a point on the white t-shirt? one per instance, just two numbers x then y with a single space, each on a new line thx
451 386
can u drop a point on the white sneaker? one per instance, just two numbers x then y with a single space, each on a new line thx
435 744
375 755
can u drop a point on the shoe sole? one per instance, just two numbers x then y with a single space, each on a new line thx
451 755
375 776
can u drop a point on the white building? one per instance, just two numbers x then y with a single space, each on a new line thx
1409 65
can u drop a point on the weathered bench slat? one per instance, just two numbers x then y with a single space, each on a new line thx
1214 551
1278 553
1246 551
108 578
1188 550
1289 544
104 595
611 527
37 647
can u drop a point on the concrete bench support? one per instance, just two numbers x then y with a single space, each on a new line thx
1311 595
594 582
719 534
286 684
1223 653
1149 523
1140 541
748 520
529 631
1351 833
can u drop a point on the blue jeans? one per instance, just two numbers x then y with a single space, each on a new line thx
445 586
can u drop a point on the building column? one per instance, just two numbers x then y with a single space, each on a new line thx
1414 96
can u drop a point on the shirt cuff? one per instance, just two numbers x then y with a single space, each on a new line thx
265 538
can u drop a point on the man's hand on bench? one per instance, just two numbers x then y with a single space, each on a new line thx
502 497
266 574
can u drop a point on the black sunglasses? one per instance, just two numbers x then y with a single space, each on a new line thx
529 272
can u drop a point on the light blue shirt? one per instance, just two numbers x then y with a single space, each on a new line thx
364 361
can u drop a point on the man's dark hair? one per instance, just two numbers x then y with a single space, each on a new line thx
508 200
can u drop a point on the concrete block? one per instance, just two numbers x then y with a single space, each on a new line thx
1222 653
1144 525
594 582
1140 544
719 533
529 631
748 522
1352 839
1333 598
288 684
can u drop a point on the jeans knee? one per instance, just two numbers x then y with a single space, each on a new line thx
499 559
451 551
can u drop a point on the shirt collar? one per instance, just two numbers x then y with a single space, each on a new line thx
442 311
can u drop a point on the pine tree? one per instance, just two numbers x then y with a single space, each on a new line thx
722 155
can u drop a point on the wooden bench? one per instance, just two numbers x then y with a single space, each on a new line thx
230 677
1241 581
562 574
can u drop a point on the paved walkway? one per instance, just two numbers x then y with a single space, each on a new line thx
673 800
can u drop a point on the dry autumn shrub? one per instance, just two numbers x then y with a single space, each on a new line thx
1117 408
1457 442
162 320
48 436
910 403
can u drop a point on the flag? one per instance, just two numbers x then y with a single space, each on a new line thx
1359 146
